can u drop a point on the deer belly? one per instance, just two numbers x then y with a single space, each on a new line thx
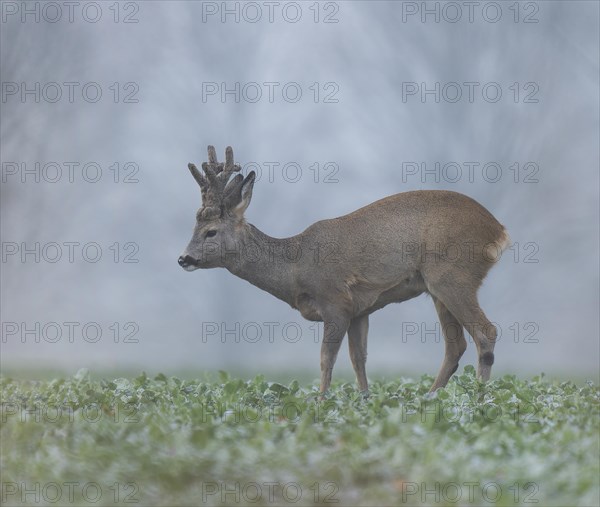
408 288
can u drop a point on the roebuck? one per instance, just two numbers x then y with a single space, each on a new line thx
341 270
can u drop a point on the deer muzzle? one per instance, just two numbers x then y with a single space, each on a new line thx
188 263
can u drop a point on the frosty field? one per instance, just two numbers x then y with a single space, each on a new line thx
228 441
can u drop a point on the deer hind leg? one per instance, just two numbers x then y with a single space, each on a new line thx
357 343
455 344
462 303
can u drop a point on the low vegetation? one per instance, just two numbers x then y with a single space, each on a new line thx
167 441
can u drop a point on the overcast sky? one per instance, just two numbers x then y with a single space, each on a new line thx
339 104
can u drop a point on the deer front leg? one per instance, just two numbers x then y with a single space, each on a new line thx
332 340
357 343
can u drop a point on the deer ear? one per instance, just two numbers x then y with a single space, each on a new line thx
245 194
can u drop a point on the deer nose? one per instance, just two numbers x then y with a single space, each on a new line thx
185 261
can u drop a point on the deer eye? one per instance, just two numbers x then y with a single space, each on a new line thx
211 233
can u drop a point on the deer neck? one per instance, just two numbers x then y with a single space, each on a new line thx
266 262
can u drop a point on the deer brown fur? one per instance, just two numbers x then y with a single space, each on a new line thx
341 270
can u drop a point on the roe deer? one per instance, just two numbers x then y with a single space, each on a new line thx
339 271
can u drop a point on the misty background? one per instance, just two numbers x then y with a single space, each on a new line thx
368 138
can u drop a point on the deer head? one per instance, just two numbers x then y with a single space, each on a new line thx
220 221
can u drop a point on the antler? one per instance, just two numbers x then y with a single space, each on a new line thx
215 186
